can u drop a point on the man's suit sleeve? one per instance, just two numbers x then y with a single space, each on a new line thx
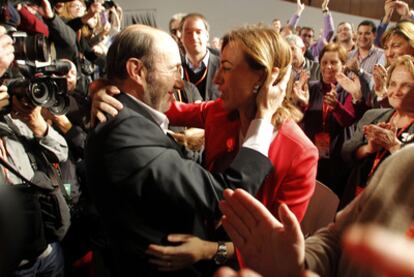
182 180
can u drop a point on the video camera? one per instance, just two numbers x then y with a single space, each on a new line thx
43 86
43 82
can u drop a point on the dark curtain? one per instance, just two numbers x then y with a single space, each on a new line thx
140 16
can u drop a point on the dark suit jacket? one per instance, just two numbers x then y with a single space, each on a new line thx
212 91
145 189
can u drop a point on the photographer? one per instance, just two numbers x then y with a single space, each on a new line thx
25 125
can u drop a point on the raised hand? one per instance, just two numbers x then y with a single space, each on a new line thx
268 246
402 9
271 95
389 7
351 84
380 74
324 5
353 65
300 90
299 7
330 98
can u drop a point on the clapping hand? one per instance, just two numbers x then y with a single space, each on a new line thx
301 90
351 84
330 98
380 80
382 135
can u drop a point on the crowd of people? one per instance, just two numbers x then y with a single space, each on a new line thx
167 155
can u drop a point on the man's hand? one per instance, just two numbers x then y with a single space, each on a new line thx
402 9
190 250
299 7
389 7
324 5
30 115
6 50
268 246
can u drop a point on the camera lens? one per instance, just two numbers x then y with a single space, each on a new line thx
40 94
31 48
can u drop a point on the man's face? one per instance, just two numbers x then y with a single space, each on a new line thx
365 37
344 32
164 77
307 37
276 24
194 36
175 30
297 55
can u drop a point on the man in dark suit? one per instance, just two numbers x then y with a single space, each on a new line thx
199 63
142 185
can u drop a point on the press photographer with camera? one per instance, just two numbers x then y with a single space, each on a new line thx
28 147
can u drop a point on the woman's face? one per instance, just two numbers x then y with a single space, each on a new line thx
76 8
71 77
330 66
236 79
401 89
396 46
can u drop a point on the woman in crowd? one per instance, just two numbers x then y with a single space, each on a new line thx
329 115
397 41
382 132
250 55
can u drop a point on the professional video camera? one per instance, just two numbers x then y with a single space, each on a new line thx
44 85
43 82
26 47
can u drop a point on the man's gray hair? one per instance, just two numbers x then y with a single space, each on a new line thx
296 40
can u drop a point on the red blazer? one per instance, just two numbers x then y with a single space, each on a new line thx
293 155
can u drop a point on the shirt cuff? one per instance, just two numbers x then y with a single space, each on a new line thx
259 136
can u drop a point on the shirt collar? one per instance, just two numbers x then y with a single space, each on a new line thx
160 118
204 62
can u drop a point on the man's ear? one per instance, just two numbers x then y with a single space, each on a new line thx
136 70
303 49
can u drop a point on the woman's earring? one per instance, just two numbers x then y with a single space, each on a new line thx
255 89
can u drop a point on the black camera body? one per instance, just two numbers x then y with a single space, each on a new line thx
29 47
42 86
